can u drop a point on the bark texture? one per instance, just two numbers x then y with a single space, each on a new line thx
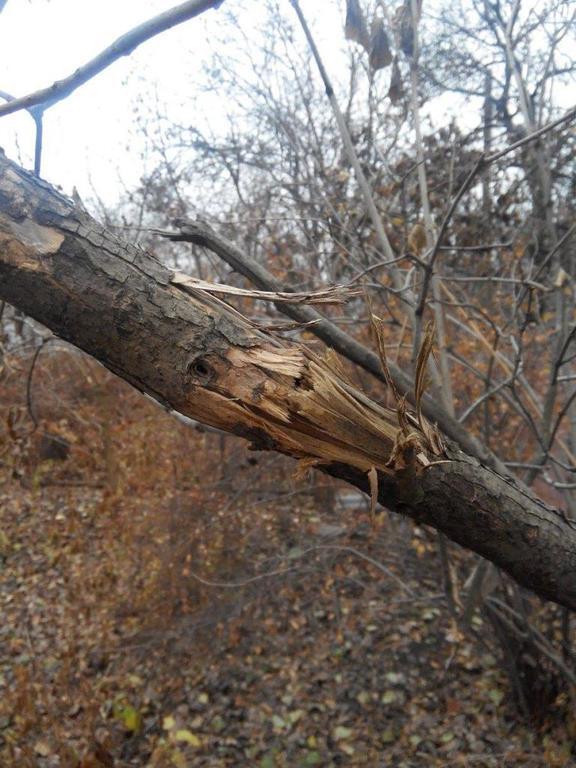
197 355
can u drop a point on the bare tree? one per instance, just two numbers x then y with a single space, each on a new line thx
313 177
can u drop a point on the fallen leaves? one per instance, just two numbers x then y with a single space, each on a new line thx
105 660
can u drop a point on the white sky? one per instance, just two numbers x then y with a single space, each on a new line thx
88 142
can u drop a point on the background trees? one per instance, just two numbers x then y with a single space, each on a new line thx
291 196
458 84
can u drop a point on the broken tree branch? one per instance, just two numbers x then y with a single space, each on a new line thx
197 355
200 233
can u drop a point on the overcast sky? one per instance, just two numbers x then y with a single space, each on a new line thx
90 141
88 138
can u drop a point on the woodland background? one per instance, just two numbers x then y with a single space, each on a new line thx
170 598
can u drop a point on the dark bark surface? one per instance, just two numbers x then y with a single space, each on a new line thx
197 355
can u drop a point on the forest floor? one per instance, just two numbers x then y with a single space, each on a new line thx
169 599
332 663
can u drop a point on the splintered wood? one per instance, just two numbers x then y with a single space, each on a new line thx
283 395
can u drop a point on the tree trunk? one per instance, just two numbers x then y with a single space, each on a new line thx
197 355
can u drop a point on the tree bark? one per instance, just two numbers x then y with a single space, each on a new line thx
197 355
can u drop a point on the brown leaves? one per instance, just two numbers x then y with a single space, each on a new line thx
417 239
355 26
396 90
421 363
380 53
376 44
405 29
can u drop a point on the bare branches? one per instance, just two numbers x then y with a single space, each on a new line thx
123 46
37 114
347 140
566 118
436 248
480 165
29 402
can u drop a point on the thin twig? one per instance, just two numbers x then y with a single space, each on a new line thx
563 411
444 226
347 140
486 396
368 559
37 114
29 383
560 359
564 239
38 117
494 279
567 117
487 247
242 583
537 637
378 265
281 571
123 46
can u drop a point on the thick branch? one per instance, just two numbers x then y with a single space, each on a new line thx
199 356
123 46
200 233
